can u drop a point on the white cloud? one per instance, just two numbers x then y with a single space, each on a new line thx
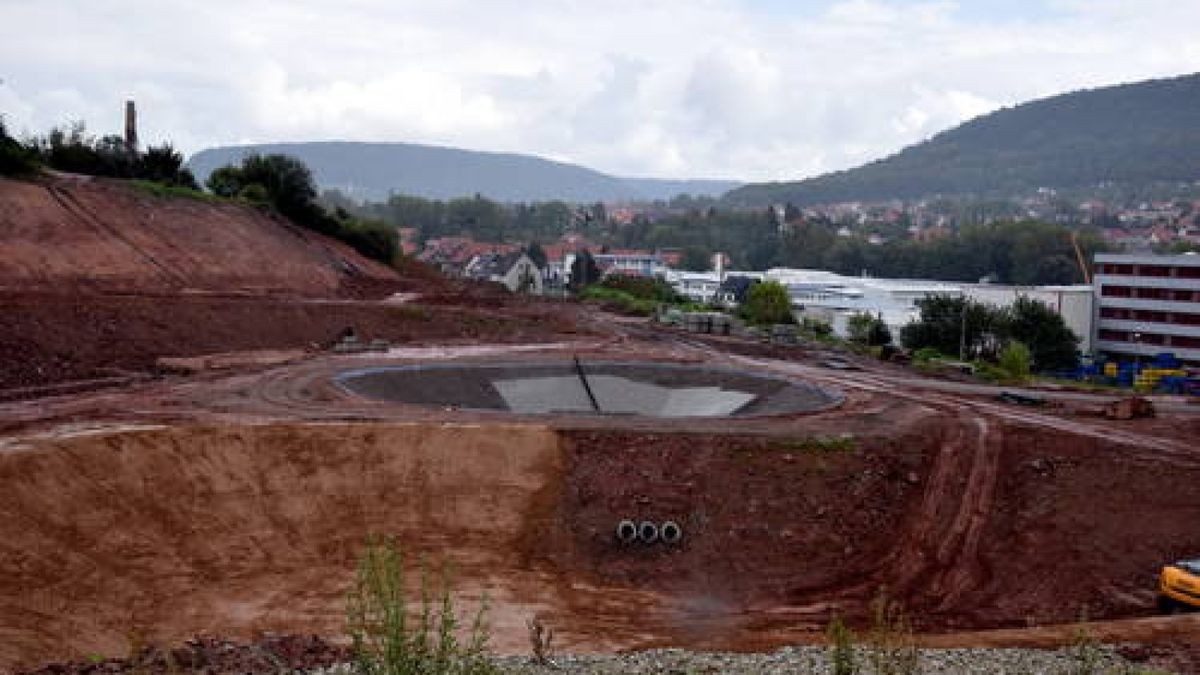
679 88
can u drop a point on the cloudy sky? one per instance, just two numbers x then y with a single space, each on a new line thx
743 89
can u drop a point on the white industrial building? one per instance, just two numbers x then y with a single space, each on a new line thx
835 298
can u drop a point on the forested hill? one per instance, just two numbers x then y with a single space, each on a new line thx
374 170
1134 133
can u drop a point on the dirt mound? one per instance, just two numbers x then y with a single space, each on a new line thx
99 278
72 234
51 339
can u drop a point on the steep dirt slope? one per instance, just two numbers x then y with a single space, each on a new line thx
72 233
99 278
164 532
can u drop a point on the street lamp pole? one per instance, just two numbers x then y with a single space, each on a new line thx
962 332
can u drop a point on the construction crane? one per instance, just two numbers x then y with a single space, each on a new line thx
1083 267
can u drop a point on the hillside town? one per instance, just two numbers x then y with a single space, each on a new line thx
835 299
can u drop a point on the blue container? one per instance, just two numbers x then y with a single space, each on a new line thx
1166 360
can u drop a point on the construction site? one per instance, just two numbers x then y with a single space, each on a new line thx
193 442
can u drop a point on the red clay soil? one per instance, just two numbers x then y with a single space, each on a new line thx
238 531
48 339
1015 528
971 524
99 279
71 234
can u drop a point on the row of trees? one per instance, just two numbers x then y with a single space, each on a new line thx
953 324
278 182
73 150
286 185
1013 252
1020 252
479 217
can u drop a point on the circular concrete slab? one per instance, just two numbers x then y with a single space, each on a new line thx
610 388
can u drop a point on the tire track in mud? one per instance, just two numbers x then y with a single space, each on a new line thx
959 551
1167 449
937 560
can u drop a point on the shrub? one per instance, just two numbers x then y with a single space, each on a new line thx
372 238
865 329
1084 653
926 354
1015 361
163 164
815 328
619 301
584 271
15 159
387 640
768 303
173 191
891 647
643 288
72 149
841 648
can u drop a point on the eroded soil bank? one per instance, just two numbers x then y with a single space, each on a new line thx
170 531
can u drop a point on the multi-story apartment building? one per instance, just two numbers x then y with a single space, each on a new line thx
1148 304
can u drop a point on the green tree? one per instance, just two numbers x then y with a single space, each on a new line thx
880 334
226 181
946 322
290 189
696 259
15 158
584 271
537 254
768 303
285 184
163 164
1051 344
372 238
865 329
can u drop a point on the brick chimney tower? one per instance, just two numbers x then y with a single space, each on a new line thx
131 139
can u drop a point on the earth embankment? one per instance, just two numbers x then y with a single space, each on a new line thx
162 533
78 234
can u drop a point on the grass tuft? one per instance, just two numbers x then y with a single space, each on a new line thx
388 638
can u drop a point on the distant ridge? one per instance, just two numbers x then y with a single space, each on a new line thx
1133 133
373 170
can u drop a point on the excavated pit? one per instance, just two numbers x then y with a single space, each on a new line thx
610 388
165 532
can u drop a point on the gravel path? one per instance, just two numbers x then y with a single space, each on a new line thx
814 661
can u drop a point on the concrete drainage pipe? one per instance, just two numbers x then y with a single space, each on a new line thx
648 532
670 532
627 531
